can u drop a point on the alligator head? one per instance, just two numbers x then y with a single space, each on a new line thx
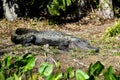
83 45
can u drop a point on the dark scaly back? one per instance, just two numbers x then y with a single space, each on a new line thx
21 31
17 36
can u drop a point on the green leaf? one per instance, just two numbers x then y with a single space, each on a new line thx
109 75
58 65
69 73
48 70
2 77
68 2
45 69
10 78
17 77
56 6
7 61
30 64
50 77
42 68
63 1
26 63
58 76
53 10
113 30
95 69
80 75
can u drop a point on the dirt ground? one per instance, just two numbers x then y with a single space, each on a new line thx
92 31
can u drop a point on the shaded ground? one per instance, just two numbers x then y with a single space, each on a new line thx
109 48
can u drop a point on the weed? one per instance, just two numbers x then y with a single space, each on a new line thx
20 68
117 54
113 31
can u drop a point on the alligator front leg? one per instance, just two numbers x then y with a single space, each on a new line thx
28 41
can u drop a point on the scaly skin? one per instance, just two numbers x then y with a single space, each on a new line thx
64 41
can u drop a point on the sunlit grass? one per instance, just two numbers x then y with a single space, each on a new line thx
113 30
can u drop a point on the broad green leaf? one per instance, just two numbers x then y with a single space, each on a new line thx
69 73
50 77
58 76
95 69
30 64
23 61
2 76
17 77
10 78
27 63
42 68
80 75
45 69
109 75
91 69
7 61
48 70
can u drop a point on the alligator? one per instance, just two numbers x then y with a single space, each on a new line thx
63 41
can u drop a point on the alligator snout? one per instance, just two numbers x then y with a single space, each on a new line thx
96 49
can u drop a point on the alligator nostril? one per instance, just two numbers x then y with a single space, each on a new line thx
97 50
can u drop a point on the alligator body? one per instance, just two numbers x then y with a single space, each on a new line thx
64 41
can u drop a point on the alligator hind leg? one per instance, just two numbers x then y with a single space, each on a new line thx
63 46
28 41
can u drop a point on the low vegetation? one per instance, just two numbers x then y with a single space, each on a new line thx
20 68
113 30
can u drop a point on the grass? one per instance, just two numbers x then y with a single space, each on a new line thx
113 30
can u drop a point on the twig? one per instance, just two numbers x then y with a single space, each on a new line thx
80 63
